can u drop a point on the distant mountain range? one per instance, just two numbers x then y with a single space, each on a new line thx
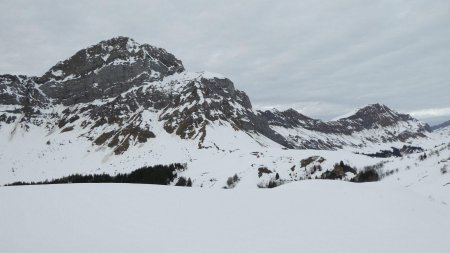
441 126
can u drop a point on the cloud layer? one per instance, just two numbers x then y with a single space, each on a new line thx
323 58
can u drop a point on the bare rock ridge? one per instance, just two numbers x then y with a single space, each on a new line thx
107 92
373 123
441 126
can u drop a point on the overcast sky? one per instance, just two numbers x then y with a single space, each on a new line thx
323 58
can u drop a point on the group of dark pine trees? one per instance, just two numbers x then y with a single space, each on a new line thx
158 174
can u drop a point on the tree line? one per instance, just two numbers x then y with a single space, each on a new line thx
158 174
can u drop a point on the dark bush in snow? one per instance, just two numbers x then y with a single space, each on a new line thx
372 173
181 182
423 157
444 169
271 184
263 170
232 181
274 182
366 175
338 171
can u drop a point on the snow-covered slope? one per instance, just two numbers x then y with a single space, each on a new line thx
255 165
308 216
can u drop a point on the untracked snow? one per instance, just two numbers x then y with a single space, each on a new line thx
308 216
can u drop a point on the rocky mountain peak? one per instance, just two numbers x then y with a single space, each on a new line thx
106 70
376 108
377 114
115 51
289 118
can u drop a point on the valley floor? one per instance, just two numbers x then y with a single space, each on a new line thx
305 216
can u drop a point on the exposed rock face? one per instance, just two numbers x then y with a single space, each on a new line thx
20 90
373 123
22 99
197 101
106 70
374 116
288 119
119 93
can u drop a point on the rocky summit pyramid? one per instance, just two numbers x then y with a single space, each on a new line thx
119 93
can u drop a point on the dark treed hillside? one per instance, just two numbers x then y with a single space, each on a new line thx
158 174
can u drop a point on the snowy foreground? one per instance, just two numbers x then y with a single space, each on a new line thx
306 216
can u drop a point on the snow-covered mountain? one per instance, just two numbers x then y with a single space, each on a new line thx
107 88
372 124
443 125
119 105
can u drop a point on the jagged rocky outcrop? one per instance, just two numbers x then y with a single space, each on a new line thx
374 123
21 90
201 99
120 93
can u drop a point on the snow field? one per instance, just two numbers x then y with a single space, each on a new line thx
307 216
